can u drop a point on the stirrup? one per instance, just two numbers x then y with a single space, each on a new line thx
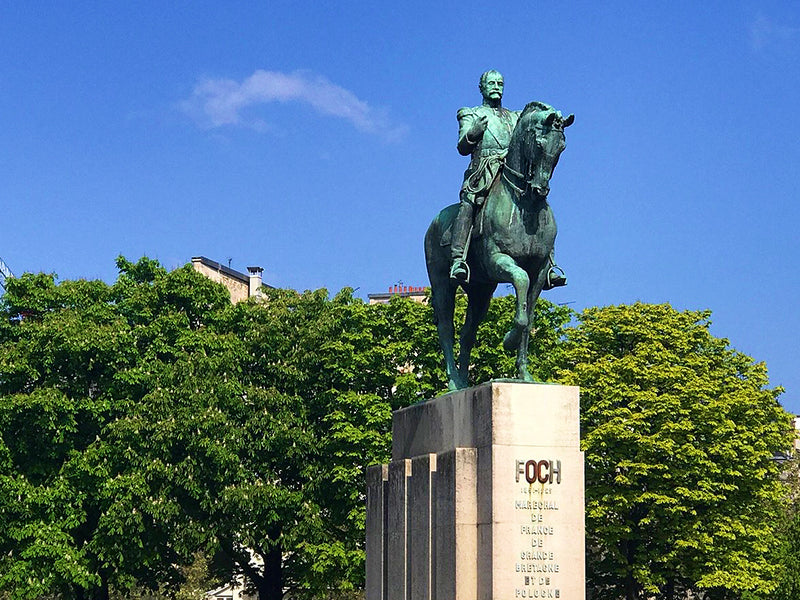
555 277
460 265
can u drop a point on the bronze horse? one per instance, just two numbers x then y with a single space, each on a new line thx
513 245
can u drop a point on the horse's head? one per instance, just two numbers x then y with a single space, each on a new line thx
541 141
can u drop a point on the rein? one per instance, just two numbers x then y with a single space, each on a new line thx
523 183
517 181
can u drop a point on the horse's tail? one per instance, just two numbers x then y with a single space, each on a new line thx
437 255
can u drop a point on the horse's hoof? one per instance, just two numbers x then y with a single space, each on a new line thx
457 384
525 375
512 339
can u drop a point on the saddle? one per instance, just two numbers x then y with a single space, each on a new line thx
477 216
477 227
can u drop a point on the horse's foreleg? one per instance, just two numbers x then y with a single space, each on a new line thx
504 268
522 355
479 298
443 301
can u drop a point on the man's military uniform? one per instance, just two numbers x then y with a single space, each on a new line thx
488 154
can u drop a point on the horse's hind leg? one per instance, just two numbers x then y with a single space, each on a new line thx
443 299
479 298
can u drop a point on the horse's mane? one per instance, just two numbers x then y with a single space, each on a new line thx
537 112
539 106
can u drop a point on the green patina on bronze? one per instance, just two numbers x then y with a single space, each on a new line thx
502 230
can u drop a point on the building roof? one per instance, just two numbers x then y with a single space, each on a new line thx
233 273
416 293
212 264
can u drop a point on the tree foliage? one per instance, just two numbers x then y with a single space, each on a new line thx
149 420
679 432
322 376
75 519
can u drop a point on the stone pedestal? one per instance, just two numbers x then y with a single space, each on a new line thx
483 499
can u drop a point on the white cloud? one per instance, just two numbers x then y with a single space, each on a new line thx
764 31
220 102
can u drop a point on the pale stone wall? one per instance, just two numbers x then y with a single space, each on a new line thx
483 499
231 591
238 284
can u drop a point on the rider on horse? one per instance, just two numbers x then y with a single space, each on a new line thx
484 132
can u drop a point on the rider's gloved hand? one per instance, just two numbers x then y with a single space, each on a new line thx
478 127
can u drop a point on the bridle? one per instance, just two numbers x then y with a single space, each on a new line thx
521 185
517 181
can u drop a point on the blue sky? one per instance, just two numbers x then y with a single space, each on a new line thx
319 140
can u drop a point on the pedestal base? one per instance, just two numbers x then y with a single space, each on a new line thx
483 499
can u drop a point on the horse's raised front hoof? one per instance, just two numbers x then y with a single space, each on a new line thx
512 339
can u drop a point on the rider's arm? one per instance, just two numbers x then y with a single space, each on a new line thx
466 144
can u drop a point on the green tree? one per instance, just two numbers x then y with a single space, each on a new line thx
279 415
787 557
679 432
253 428
197 581
491 361
148 420
76 357
786 553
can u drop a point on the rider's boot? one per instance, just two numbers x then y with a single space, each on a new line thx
459 271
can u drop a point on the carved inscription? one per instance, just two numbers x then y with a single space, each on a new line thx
538 565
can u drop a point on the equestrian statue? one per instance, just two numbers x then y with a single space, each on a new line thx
502 230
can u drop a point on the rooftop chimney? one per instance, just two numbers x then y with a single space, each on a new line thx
255 281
